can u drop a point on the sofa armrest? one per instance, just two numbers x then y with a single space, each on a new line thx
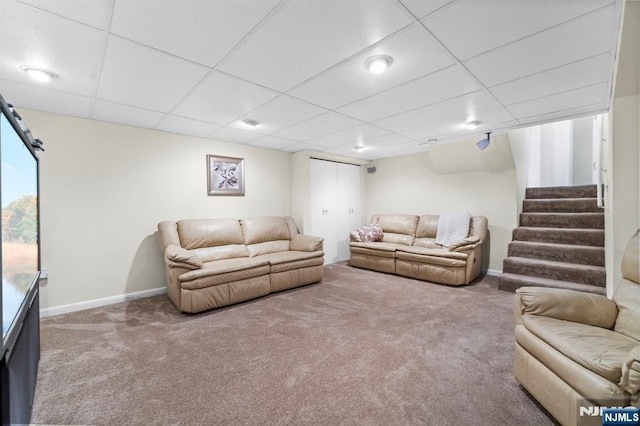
630 380
468 243
586 308
301 242
175 256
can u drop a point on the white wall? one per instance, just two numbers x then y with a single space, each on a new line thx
105 187
623 217
449 177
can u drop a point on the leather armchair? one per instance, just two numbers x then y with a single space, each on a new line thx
577 349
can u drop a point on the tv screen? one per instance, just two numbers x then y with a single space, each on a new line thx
19 198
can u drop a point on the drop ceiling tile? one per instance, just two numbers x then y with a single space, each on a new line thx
422 8
123 114
471 27
95 13
389 139
186 126
451 108
272 142
316 127
595 94
172 26
444 84
41 99
304 38
578 39
415 53
142 77
458 125
73 51
572 76
221 98
302 146
229 134
566 114
283 111
354 136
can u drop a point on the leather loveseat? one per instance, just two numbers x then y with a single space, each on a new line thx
578 351
217 262
408 248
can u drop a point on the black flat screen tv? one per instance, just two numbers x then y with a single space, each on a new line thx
20 261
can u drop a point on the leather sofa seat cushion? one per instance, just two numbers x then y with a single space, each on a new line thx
421 255
375 249
198 233
262 229
598 349
224 266
438 252
290 260
426 242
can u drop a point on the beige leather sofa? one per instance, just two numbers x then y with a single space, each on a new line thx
579 349
408 248
217 262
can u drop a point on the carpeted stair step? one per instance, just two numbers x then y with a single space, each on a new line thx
584 274
578 236
512 282
568 253
561 205
582 191
563 220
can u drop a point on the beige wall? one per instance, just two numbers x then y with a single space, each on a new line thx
104 188
450 177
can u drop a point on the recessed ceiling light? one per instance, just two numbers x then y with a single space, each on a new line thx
42 75
250 123
474 124
378 64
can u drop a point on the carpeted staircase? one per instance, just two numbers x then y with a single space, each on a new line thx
559 243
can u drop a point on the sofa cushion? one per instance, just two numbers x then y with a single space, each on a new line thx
224 271
598 349
290 260
209 254
260 229
434 251
397 228
267 247
421 255
199 233
375 249
427 226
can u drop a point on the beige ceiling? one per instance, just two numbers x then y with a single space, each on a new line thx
199 67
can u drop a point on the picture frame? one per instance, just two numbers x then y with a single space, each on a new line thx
225 175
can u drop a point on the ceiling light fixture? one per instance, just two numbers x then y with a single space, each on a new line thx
250 123
359 148
484 142
431 141
42 75
473 124
378 64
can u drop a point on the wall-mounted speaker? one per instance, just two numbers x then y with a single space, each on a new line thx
371 169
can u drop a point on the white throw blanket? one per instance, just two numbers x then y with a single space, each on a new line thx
453 227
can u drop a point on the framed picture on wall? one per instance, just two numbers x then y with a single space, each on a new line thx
225 175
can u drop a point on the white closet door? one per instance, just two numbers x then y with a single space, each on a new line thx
349 206
324 180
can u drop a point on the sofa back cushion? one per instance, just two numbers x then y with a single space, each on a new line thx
397 228
478 227
627 293
264 235
212 239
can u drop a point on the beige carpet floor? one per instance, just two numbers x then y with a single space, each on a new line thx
359 348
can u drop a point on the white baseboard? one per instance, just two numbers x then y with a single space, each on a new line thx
492 272
80 306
